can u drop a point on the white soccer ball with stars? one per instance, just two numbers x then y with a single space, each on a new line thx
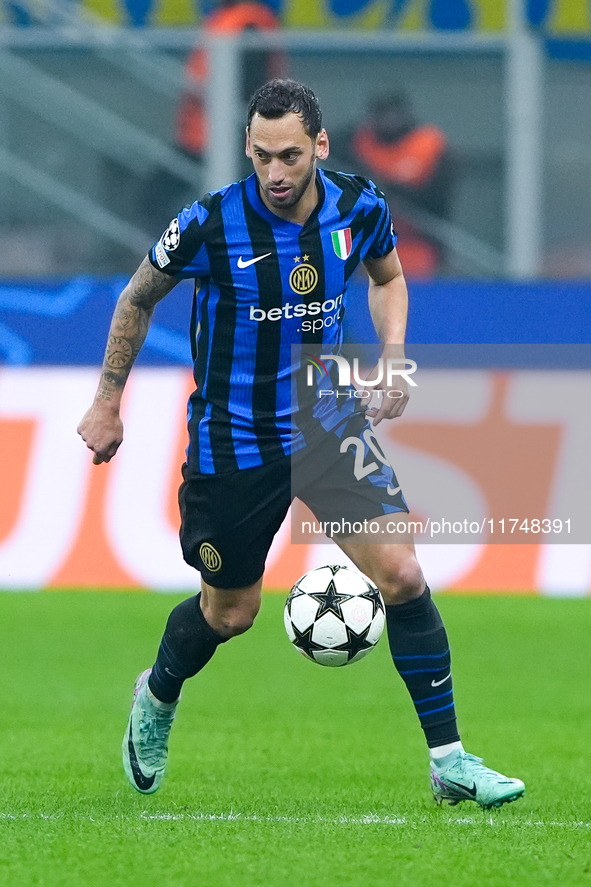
334 615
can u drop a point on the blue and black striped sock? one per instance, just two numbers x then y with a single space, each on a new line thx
420 650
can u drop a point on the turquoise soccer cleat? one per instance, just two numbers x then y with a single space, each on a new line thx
145 744
463 777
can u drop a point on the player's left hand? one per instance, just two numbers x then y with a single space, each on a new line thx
388 403
101 429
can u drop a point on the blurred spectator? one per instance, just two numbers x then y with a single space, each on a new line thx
413 165
258 66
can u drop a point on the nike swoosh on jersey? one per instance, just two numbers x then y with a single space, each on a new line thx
442 681
143 782
244 263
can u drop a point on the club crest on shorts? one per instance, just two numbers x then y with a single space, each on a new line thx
211 557
172 236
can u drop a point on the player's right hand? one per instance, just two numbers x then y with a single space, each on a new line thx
102 430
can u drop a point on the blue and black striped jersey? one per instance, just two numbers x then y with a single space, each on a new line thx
264 284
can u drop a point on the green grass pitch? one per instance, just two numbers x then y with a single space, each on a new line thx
283 773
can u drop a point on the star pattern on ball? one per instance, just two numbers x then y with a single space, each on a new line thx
373 595
303 641
355 642
323 620
330 601
294 593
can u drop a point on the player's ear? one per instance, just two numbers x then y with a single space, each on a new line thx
247 147
322 146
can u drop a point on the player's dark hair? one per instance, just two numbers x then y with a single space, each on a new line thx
279 97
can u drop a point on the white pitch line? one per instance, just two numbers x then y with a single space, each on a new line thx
486 818
254 817
369 819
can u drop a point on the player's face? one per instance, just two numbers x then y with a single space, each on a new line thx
284 158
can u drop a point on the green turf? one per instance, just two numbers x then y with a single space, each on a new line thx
283 773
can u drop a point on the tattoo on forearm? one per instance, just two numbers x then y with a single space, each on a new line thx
149 286
109 383
125 317
119 352
128 331
104 393
113 379
129 326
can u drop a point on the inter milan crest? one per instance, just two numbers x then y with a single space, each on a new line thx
303 278
211 557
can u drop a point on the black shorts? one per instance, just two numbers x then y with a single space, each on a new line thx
229 520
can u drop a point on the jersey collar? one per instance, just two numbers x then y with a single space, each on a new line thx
254 198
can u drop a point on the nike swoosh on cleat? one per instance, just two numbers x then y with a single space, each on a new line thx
142 782
470 791
244 263
442 681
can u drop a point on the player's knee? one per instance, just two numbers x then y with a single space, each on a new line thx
238 623
230 612
232 621
400 580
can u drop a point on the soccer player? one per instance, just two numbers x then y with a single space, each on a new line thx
273 255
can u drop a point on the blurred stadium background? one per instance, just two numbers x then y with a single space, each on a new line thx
91 173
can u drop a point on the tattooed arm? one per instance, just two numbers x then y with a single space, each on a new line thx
101 428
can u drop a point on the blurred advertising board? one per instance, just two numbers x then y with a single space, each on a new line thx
494 435
556 18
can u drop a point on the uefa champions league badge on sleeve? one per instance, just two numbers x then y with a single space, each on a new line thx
167 243
172 236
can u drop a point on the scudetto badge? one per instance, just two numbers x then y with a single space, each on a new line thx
211 558
303 279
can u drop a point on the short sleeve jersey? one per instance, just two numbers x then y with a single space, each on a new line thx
263 285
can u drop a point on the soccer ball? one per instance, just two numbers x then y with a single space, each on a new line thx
334 615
